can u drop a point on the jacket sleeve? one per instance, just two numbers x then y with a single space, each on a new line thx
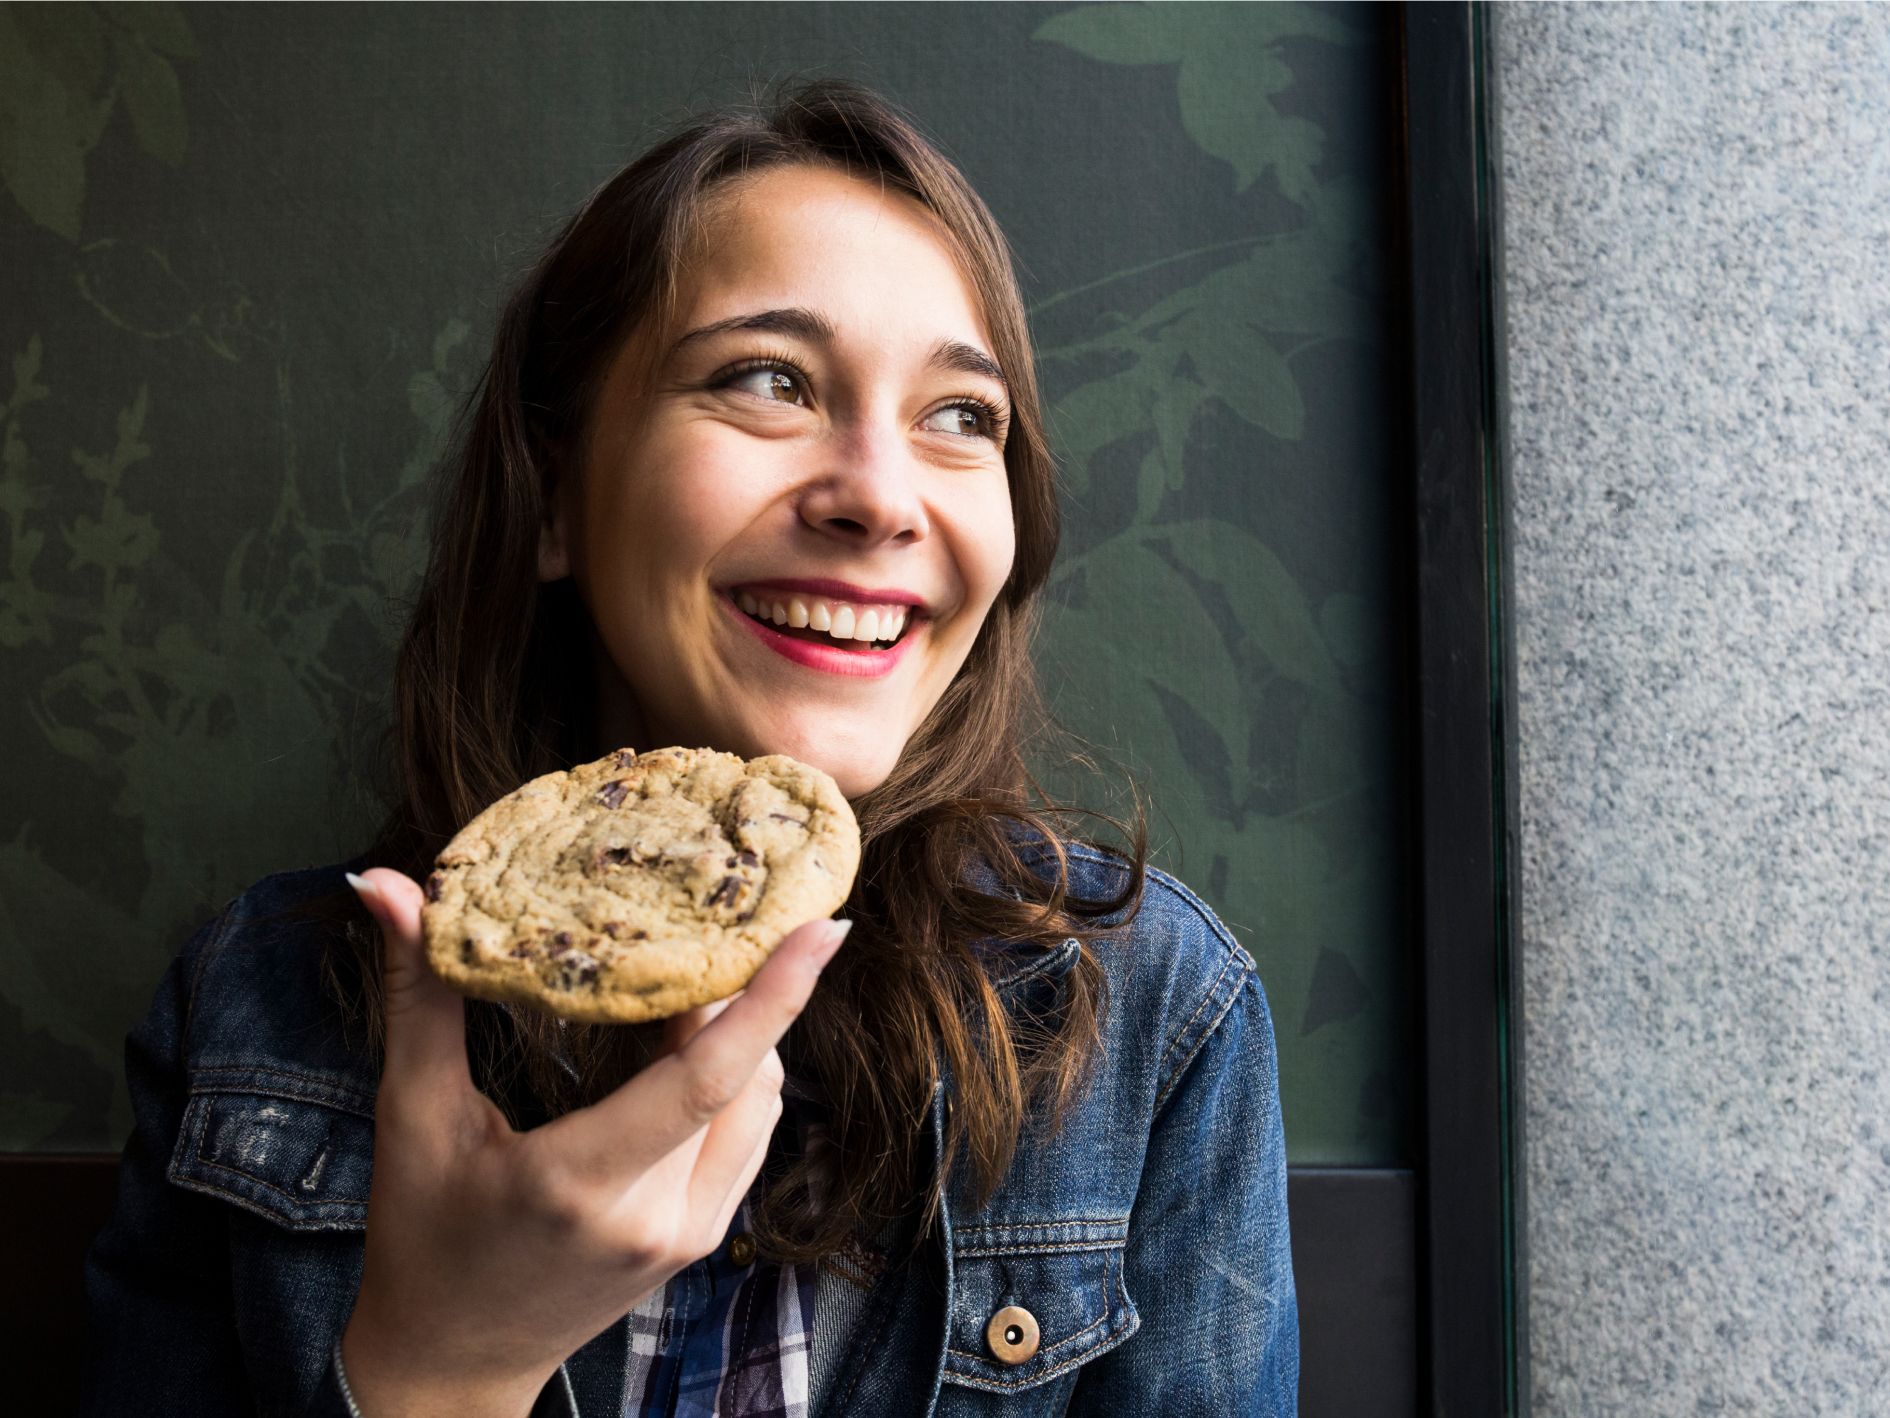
161 1332
1208 1261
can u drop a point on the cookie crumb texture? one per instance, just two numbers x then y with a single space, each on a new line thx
640 885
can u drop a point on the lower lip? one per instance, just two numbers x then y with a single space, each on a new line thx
860 664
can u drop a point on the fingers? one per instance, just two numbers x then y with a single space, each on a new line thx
679 1029
734 1146
676 1096
717 1188
426 1020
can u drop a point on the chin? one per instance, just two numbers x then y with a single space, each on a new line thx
855 784
854 777
857 771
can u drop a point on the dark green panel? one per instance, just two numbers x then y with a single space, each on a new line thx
254 252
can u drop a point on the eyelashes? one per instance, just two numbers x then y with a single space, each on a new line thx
993 419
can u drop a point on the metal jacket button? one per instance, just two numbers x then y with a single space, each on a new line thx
741 1248
1012 1334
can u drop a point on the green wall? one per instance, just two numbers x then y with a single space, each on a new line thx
253 253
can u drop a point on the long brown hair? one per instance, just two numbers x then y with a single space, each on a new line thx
493 686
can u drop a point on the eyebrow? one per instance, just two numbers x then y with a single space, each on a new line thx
816 329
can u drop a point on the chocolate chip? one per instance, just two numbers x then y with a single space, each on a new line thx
724 893
639 935
624 757
612 927
521 951
783 817
433 886
747 858
613 793
609 857
563 937
466 951
561 942
732 861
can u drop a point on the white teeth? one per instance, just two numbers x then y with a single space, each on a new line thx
839 620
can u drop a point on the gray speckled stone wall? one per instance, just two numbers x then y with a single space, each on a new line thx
1698 251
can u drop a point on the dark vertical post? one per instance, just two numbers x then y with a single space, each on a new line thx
1471 1175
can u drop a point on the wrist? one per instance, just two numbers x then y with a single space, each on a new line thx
379 1374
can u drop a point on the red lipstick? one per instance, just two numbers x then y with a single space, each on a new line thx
830 659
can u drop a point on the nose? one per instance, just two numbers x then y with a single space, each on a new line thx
868 495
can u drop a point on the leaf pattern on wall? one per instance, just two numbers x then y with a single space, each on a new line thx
1229 70
195 629
63 71
1185 647
159 708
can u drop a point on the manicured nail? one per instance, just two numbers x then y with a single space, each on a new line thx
836 933
369 893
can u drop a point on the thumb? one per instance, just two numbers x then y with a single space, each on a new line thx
426 1020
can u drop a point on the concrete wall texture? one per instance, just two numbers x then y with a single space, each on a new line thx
1697 208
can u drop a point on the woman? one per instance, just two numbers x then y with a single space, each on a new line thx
757 463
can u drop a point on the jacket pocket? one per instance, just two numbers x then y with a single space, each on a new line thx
298 1152
1032 1302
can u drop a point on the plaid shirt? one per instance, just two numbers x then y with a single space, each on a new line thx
722 1340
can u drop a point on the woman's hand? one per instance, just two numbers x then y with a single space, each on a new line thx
493 1255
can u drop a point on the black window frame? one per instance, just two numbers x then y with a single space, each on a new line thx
1412 1281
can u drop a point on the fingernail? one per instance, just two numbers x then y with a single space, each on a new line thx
369 893
837 932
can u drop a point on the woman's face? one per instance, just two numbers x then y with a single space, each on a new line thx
789 539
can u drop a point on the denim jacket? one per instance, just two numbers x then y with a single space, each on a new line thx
1147 1239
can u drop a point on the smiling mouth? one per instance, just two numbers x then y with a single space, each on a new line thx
834 624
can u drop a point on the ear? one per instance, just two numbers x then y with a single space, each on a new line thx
554 550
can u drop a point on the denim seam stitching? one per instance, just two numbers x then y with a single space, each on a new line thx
1207 999
982 1227
977 1381
1026 1248
351 1100
1034 967
1062 1343
1109 1312
293 1200
1178 888
1208 1033
181 1177
208 1186
211 949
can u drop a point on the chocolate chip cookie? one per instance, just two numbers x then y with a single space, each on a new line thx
640 885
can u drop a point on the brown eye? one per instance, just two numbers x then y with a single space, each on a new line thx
968 418
769 382
955 418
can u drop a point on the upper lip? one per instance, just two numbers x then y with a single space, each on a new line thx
836 591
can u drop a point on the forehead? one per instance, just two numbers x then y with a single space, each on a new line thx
862 254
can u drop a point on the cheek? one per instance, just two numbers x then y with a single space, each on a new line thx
990 552
664 514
